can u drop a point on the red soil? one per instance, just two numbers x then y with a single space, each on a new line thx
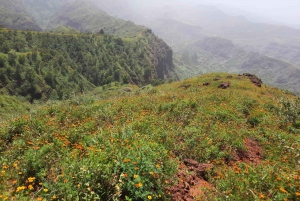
192 181
191 176
252 154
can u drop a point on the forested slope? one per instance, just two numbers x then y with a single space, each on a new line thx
42 65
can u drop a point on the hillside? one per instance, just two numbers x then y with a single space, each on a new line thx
84 16
12 107
46 15
182 24
48 65
14 15
167 142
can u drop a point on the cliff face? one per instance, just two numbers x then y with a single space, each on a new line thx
161 57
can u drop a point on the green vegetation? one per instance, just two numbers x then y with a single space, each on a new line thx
125 145
39 65
11 107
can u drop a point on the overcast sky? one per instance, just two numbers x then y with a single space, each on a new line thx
287 11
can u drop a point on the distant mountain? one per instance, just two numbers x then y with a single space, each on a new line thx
43 11
85 17
46 15
13 14
182 25
217 54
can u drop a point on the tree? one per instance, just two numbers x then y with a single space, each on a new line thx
5 48
101 31
12 55
22 59
147 73
2 61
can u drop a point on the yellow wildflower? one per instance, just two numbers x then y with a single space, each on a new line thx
30 187
149 197
31 179
20 188
135 176
46 190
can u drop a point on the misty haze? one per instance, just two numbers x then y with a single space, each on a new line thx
163 100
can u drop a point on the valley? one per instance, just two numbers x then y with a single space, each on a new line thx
130 100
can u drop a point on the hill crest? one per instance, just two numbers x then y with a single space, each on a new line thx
122 146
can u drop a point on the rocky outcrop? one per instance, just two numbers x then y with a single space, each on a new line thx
161 57
255 80
224 85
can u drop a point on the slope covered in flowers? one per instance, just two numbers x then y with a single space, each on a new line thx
130 144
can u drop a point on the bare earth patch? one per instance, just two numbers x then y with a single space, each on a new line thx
192 181
252 154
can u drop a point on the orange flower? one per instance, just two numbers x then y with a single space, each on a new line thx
30 187
297 194
261 196
283 190
138 185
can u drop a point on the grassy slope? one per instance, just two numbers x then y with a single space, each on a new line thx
127 143
11 107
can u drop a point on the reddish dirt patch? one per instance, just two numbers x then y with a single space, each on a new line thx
252 154
192 181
